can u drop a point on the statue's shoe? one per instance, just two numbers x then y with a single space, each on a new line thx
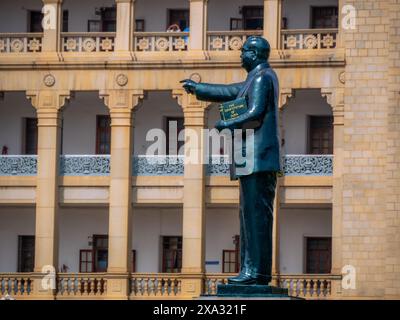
245 279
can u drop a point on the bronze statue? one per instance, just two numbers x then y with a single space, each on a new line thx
257 188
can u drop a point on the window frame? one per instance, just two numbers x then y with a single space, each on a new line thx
20 252
98 134
178 251
310 131
169 22
312 16
87 262
306 253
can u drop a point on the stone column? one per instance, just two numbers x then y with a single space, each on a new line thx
334 98
48 105
198 24
272 22
193 233
51 25
125 25
120 104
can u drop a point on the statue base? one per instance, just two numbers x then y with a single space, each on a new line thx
251 291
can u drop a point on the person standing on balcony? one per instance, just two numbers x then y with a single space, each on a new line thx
257 187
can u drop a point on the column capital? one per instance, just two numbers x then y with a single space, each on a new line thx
118 99
48 100
194 110
286 94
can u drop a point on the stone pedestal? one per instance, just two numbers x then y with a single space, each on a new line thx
250 291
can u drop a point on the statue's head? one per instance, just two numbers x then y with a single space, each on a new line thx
255 50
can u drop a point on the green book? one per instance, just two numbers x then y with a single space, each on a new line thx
232 109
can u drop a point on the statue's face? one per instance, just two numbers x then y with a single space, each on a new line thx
249 57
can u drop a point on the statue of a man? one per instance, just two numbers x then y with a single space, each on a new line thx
257 187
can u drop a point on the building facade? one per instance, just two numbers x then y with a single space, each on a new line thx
85 213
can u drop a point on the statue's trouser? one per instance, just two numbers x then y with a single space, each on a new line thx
257 193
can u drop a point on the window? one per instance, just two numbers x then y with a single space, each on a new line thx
31 136
139 25
178 122
179 17
100 253
108 19
103 135
36 17
253 17
236 24
86 260
324 17
35 21
320 135
26 253
231 258
172 254
318 255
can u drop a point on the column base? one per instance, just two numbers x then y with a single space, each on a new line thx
118 287
43 289
192 285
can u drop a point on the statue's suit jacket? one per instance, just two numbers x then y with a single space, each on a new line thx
261 90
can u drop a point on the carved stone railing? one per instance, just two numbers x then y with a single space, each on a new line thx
99 165
308 165
84 165
158 165
87 41
161 41
229 40
91 285
211 281
164 285
20 42
308 286
18 165
309 39
15 284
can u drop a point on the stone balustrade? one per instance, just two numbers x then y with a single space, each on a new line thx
99 165
164 285
308 39
229 40
74 285
20 42
160 285
87 42
16 285
161 41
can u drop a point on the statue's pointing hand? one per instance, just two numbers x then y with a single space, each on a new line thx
189 86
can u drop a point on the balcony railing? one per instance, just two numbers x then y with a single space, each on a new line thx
161 41
20 42
309 39
99 165
18 165
155 285
87 42
16 284
80 285
229 40
308 165
163 285
85 165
